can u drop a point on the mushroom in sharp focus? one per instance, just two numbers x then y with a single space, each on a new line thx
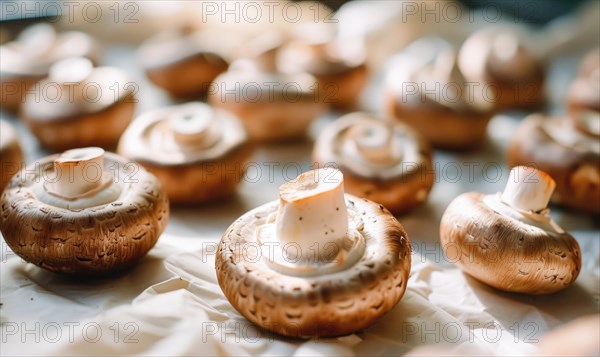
509 240
503 58
185 61
83 212
79 105
568 149
339 65
317 262
197 152
426 90
273 106
584 92
383 161
27 60
11 156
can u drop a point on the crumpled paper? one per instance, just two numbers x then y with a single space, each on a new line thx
183 312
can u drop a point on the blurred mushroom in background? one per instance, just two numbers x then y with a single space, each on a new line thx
80 105
28 58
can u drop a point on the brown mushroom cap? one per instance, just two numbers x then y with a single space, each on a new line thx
184 62
508 241
87 240
392 167
426 90
272 106
339 66
78 105
584 92
11 156
27 60
197 152
502 57
311 301
570 156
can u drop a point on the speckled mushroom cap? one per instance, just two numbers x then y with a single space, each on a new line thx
184 62
198 153
383 161
79 105
426 90
273 106
316 263
508 240
504 57
84 213
11 156
28 59
568 149
339 65
584 92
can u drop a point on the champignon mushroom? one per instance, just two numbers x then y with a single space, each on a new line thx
83 212
197 152
79 105
584 92
338 65
184 62
315 263
509 240
27 60
568 149
426 90
502 58
11 156
383 161
272 106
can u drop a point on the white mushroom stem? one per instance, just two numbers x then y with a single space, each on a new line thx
195 126
528 189
312 214
373 142
78 172
71 71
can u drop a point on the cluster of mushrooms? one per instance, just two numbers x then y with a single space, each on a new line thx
331 262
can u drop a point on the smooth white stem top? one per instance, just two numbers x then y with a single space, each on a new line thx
374 143
194 125
312 212
78 172
528 189
71 71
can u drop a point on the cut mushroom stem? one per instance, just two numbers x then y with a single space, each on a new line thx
312 213
78 172
194 128
528 189
373 142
